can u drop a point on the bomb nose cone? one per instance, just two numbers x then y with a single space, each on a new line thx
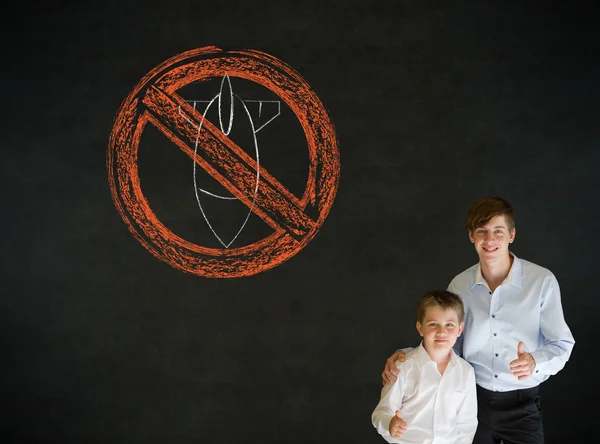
226 103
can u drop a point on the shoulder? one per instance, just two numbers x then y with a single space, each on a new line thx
406 372
534 275
410 359
530 268
465 280
411 355
410 363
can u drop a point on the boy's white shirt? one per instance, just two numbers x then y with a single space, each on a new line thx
438 408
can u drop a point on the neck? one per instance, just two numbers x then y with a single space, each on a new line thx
441 358
494 273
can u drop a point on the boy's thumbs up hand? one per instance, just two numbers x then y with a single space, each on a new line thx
523 366
398 425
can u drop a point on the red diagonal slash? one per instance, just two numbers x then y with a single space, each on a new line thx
227 163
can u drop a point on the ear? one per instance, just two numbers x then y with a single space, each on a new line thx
419 328
471 238
461 327
513 233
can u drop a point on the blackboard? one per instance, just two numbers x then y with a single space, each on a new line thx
434 105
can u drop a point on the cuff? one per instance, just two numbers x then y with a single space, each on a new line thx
384 426
540 364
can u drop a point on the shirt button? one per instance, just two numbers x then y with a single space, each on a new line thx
496 354
493 316
495 376
489 292
495 334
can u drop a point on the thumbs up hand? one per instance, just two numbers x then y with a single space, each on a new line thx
398 425
523 366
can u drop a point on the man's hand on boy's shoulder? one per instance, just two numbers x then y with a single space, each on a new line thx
398 425
390 371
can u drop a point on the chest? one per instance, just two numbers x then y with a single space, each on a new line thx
506 302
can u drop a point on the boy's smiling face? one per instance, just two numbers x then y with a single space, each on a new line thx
492 240
440 329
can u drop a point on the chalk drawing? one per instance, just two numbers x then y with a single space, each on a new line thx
226 94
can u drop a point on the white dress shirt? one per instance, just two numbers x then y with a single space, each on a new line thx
525 307
439 409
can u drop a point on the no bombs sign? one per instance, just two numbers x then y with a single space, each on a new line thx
200 130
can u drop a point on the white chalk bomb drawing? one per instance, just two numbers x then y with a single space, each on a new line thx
225 100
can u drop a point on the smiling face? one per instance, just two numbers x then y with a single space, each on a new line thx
440 329
492 240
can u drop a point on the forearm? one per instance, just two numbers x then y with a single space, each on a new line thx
556 339
390 401
381 419
553 356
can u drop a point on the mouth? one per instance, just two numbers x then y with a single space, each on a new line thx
490 249
441 341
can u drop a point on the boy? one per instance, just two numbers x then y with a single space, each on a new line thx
434 397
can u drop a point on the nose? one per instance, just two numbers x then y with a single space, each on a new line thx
489 237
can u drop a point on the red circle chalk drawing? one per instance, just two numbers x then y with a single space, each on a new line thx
155 101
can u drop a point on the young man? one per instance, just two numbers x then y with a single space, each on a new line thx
515 334
434 397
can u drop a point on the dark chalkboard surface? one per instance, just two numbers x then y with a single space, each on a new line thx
434 105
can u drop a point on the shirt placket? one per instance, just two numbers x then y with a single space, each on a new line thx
439 424
437 378
496 338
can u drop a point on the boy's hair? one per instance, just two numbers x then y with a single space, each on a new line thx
442 298
483 210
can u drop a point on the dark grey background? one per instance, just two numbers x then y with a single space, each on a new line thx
435 104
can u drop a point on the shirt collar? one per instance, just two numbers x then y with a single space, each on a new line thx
514 274
423 357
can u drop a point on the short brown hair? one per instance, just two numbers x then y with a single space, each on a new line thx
485 209
442 298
